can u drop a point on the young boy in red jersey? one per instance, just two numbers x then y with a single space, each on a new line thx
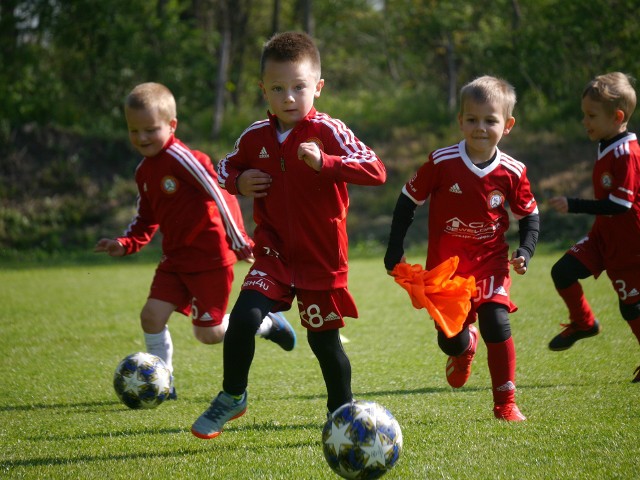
469 186
202 228
296 164
613 243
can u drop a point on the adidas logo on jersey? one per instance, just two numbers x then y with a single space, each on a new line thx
455 188
332 316
263 153
634 292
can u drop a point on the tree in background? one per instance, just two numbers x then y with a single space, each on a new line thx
393 68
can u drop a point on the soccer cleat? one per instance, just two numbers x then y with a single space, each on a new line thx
637 374
222 409
508 412
281 332
172 390
172 394
458 368
571 334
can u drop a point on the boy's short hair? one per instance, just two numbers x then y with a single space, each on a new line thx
291 47
152 96
489 89
614 90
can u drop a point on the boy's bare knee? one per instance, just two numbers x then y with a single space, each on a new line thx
155 315
209 335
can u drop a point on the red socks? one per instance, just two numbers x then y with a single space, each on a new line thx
502 367
580 312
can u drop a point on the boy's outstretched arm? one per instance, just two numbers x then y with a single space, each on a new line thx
402 219
110 246
529 229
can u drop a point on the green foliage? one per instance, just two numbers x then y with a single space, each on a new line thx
61 419
392 72
71 63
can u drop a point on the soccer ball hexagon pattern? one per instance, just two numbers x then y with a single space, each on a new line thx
142 380
361 440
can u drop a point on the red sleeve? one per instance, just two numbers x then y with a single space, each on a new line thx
348 159
236 213
228 171
141 229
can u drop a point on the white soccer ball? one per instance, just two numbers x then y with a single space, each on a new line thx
361 440
142 380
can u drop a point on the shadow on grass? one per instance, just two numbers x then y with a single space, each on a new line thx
52 461
56 406
373 393
443 389
203 446
119 407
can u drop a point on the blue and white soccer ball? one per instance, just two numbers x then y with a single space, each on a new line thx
361 440
142 380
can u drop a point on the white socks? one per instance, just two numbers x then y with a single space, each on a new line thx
265 326
161 345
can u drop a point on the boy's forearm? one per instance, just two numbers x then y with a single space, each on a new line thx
402 220
595 207
529 230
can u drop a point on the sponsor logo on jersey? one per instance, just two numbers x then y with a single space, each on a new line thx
495 199
633 293
257 280
263 153
257 284
606 180
455 188
478 230
169 185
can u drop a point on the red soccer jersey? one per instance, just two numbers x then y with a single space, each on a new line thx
468 214
616 176
301 231
200 223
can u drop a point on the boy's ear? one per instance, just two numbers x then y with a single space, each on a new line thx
319 86
173 124
508 125
619 117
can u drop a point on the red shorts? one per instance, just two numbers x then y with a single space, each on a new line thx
491 289
624 275
203 295
319 309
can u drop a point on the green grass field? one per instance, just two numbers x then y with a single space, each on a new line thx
63 330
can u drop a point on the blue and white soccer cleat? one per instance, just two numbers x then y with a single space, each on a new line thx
281 332
222 409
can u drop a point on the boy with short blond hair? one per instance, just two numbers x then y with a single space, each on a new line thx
469 186
613 243
203 233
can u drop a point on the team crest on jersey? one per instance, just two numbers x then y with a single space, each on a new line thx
495 199
169 185
317 141
606 180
